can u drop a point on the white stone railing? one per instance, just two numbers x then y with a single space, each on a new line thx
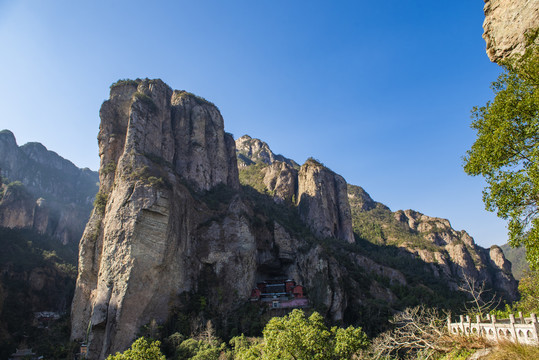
518 330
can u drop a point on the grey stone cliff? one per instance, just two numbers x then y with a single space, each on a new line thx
172 223
323 201
139 250
155 238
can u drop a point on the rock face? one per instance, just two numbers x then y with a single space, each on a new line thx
144 245
53 196
454 254
158 236
450 254
281 180
250 151
319 193
323 201
506 23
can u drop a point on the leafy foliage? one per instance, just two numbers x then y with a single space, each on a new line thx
296 337
141 349
529 292
506 151
100 202
253 176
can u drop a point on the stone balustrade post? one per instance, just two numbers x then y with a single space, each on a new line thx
513 329
535 325
479 328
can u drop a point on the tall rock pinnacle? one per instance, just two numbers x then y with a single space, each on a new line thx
136 255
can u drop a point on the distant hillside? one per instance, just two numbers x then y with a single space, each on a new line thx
40 190
517 256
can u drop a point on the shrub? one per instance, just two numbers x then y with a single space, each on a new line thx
146 100
198 99
123 82
109 168
100 202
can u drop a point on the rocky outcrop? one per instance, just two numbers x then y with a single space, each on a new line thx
43 191
250 151
360 200
455 255
281 180
323 201
320 194
506 25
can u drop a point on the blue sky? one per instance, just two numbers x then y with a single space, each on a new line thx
380 92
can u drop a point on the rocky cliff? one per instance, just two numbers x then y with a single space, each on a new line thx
319 194
451 254
506 24
43 191
250 151
323 201
171 225
330 209
173 232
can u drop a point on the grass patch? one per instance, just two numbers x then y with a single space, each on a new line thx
512 351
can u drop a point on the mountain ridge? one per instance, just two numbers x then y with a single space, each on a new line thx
174 227
44 191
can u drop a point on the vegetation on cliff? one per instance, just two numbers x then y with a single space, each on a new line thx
37 274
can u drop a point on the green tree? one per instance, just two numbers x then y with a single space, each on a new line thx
296 337
506 151
140 350
528 287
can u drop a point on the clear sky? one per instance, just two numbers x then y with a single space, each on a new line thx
379 91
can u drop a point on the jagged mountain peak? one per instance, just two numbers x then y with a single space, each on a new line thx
361 200
252 150
7 136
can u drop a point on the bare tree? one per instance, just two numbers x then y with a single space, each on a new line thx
480 300
417 330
